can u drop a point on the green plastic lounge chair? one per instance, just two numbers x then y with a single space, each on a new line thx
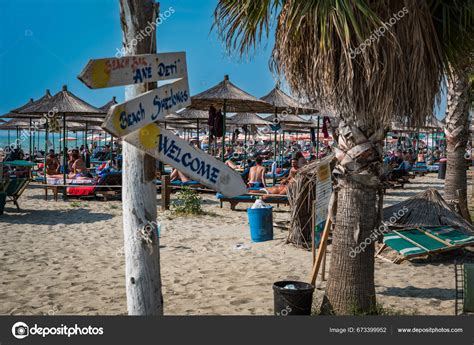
15 188
464 278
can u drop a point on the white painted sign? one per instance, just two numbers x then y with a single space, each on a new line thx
323 193
135 69
149 107
194 163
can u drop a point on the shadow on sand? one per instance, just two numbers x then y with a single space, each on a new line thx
411 291
50 217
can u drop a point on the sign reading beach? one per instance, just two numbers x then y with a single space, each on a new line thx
198 165
149 107
137 69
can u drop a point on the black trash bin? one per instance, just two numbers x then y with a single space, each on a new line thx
442 169
292 298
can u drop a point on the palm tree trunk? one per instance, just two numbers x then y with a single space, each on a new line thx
350 288
457 134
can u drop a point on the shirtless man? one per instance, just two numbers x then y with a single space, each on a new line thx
257 175
281 189
52 164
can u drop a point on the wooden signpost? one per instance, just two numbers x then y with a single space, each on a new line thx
151 106
137 69
195 163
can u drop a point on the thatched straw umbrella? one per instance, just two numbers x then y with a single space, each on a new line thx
287 105
13 114
231 99
66 104
105 108
427 208
194 115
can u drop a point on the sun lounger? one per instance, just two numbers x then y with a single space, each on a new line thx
108 185
464 281
422 241
250 198
15 188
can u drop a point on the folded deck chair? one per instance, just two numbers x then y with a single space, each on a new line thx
15 189
464 281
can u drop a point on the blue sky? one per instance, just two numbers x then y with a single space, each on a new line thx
46 43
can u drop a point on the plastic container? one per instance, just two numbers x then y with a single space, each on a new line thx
3 201
292 298
261 223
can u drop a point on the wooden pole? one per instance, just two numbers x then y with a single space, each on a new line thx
165 192
141 247
321 251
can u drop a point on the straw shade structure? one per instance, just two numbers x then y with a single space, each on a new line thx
197 115
105 108
230 98
248 119
427 208
18 112
282 102
66 104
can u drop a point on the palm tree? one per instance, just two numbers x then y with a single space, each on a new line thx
457 134
371 62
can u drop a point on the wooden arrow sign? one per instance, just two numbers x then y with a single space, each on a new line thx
194 163
135 69
147 108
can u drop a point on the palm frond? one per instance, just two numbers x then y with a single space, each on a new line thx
396 76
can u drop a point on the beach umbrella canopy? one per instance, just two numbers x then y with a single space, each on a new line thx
236 100
89 119
247 119
174 118
15 123
290 119
14 114
65 102
105 108
193 114
282 102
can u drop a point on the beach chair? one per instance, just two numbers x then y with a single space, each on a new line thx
464 281
15 188
109 185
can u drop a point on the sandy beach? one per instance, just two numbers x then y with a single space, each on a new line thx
67 258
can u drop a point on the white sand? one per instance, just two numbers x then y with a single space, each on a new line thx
58 258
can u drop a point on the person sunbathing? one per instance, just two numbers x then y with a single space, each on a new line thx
283 187
177 175
257 174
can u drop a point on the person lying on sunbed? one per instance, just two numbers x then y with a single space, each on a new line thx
257 174
177 175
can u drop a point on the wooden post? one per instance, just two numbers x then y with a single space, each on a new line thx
165 192
321 251
142 256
